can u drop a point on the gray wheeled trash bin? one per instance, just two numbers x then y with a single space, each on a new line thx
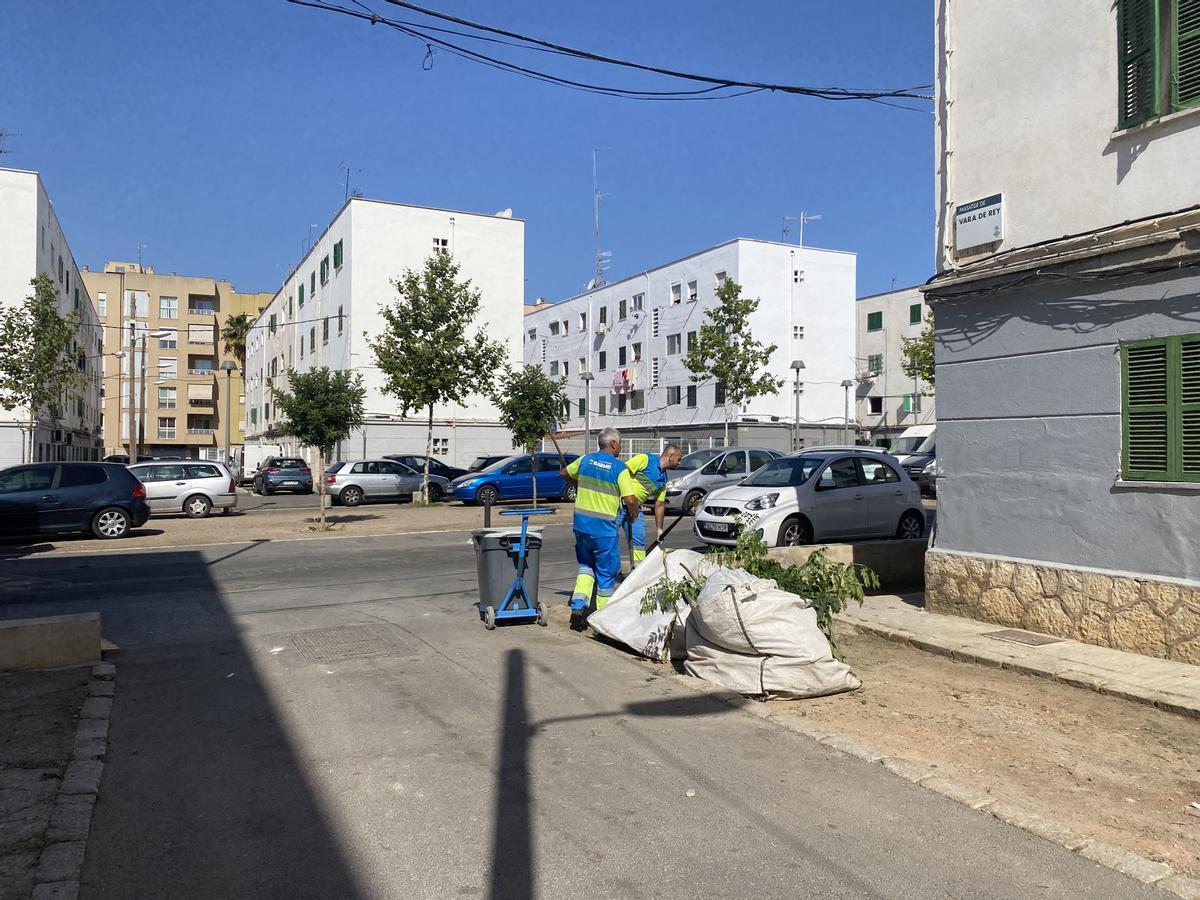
496 563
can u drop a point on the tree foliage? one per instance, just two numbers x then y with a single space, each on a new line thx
319 409
234 333
529 401
917 359
429 350
727 352
37 364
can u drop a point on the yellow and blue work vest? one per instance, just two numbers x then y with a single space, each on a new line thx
603 481
649 480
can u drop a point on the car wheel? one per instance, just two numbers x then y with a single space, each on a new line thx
692 502
111 523
351 496
794 532
570 492
197 506
911 527
435 493
487 495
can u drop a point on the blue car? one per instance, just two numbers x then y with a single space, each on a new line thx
511 479
44 498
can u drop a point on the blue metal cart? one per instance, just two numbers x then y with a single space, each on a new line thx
517 604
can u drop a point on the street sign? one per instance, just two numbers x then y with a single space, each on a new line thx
979 222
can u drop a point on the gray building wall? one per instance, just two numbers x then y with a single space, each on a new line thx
1029 410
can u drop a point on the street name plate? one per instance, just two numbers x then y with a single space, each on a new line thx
979 222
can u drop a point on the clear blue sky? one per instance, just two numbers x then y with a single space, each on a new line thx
212 131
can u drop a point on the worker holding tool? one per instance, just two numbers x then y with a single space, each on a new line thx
650 479
604 487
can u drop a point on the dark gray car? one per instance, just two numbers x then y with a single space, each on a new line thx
353 482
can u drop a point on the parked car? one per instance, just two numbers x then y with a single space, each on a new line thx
819 495
249 458
511 479
706 470
921 466
436 466
43 498
123 458
350 483
283 473
482 462
194 487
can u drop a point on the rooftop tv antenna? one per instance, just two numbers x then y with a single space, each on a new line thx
602 256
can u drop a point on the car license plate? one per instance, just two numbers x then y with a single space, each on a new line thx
291 482
717 526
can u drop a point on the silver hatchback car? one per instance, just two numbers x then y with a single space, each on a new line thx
706 470
194 487
350 483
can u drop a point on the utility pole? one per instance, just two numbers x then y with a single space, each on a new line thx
588 377
846 385
227 367
141 439
797 366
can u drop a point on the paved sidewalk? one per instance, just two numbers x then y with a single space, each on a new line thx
1171 686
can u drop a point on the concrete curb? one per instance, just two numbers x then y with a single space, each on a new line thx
1146 871
60 866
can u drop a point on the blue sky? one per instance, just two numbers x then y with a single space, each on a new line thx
212 132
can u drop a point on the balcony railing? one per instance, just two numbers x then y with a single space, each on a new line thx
199 402
200 431
201 311
206 342
200 371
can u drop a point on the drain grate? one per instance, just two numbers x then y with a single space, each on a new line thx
342 643
1023 637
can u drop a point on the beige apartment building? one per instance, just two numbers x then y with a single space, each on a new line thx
163 387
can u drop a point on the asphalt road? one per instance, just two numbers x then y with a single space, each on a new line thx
329 719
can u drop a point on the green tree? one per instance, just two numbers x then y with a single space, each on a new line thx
917 359
319 409
234 334
38 366
529 401
727 353
428 350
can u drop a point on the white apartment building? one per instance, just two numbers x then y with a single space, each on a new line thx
888 401
330 304
632 336
32 242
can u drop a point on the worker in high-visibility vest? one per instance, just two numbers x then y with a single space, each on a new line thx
605 488
649 473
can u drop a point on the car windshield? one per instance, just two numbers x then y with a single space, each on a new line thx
786 472
929 445
699 458
289 463
499 464
903 446
335 467
480 463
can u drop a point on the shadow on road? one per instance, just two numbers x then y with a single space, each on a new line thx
204 793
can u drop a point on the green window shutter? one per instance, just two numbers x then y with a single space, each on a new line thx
312 284
1146 411
914 314
301 296
1185 71
1137 60
875 362
875 321
337 255
1188 442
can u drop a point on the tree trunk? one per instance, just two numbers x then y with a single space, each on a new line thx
428 453
321 484
533 467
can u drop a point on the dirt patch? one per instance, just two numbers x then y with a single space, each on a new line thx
1108 769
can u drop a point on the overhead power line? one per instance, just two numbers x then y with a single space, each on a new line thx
708 87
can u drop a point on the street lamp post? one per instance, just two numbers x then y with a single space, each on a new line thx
846 385
139 446
228 367
797 367
588 377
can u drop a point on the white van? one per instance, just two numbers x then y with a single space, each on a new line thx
251 457
910 440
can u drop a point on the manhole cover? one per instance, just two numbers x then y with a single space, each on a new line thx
337 644
1023 637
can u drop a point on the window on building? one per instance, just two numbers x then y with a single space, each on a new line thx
167 397
60 270
676 293
554 328
639 302
582 407
1158 45
554 367
673 344
582 322
168 366
914 314
674 395
720 279
166 427
797 276
875 405
637 400
1160 412
441 245
566 369
693 291
912 403
602 360
101 304
692 338
622 356
325 330
271 324
719 394
254 415
341 320
338 258
601 405
168 307
312 339
302 347
622 310
582 364
566 326
300 295
325 270
691 396
875 363
291 309
604 315
637 352
312 284
622 404
532 334
875 321
797 332
169 340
